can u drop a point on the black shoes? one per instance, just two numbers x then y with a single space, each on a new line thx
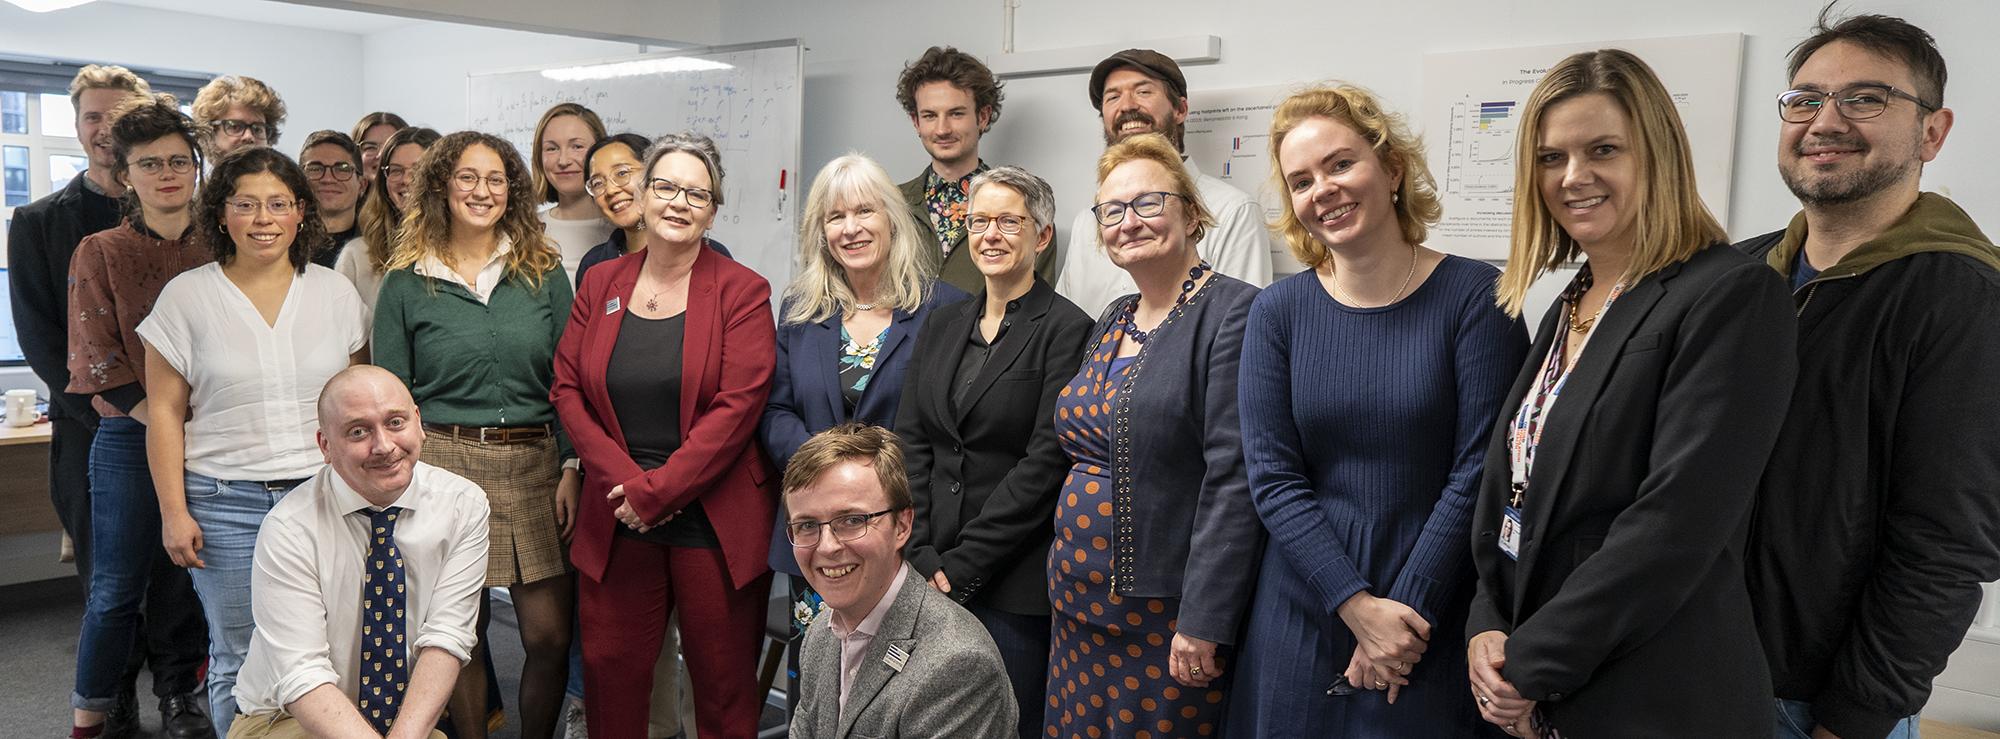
186 717
123 721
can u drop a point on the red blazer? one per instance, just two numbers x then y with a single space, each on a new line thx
727 356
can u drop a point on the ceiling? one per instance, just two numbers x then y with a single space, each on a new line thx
281 14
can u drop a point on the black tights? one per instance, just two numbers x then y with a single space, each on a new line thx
544 609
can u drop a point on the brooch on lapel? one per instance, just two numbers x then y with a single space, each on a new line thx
611 306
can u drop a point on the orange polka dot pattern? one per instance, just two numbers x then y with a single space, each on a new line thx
1108 655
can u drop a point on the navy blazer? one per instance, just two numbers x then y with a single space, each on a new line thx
805 391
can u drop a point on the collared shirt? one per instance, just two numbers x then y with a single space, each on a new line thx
978 350
854 644
253 386
1239 245
305 582
945 200
483 283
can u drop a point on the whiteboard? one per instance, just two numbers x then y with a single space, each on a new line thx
747 98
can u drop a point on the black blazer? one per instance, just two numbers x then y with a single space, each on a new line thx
985 475
1627 614
41 239
1177 464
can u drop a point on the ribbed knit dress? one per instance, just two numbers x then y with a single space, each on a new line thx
1364 431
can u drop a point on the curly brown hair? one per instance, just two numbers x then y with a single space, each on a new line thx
143 120
211 212
964 71
215 98
427 224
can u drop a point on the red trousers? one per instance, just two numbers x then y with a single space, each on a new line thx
625 616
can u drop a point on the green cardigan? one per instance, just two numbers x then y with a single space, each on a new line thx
469 363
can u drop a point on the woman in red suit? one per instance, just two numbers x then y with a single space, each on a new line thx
661 377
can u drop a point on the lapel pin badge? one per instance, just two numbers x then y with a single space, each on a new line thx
896 658
611 306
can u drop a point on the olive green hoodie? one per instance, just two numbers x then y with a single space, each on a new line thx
1934 223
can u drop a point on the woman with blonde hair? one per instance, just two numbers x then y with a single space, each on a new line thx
468 316
560 165
848 325
1368 388
1609 532
365 258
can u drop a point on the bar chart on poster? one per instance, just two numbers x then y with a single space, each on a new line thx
1471 123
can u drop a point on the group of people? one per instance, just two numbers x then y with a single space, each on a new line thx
1129 487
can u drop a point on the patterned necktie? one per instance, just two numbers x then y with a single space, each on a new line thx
384 670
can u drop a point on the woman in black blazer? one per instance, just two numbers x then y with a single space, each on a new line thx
977 430
1612 515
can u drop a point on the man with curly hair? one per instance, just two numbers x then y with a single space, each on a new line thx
234 110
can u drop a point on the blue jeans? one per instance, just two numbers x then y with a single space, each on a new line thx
1795 721
229 513
132 570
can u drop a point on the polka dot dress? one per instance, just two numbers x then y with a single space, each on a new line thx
1108 655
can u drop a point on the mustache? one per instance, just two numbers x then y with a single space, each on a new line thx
1134 115
1841 142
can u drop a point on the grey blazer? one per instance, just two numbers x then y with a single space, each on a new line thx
952 684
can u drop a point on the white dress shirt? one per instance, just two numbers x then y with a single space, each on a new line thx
854 644
1239 245
253 387
483 283
305 584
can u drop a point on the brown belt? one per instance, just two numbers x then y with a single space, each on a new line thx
492 434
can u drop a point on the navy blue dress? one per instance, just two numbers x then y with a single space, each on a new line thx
1364 431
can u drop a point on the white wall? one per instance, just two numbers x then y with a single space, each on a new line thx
314 71
1048 125
638 21
419 71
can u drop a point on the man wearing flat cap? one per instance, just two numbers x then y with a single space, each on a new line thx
1140 91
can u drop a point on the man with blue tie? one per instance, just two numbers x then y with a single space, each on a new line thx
366 581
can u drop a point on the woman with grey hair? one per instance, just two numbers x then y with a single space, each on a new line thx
978 430
661 377
849 324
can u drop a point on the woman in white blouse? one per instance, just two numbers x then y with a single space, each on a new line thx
236 352
562 143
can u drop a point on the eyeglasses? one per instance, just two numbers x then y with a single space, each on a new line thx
466 180
665 189
233 127
342 172
620 177
154 165
245 207
1009 224
805 534
394 171
1147 205
1857 103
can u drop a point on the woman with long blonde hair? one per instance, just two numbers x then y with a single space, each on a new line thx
468 316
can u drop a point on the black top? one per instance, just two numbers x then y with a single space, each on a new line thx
977 350
41 238
644 381
329 251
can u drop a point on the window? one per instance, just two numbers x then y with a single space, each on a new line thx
14 165
13 112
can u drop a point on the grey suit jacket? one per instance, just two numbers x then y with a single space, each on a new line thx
952 684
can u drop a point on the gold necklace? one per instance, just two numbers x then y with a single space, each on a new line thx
1583 325
1392 300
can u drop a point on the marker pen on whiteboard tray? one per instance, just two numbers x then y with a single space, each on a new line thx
780 214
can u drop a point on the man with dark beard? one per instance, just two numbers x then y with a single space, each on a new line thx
1878 517
1142 91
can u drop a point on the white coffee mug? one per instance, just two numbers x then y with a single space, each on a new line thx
20 407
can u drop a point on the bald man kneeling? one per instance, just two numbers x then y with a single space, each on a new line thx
366 579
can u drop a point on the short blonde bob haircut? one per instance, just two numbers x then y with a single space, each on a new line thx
427 222
1388 135
1153 147
1672 225
541 185
820 290
214 99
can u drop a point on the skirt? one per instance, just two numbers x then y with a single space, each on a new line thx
525 544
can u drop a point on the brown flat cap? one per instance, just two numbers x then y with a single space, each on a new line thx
1147 61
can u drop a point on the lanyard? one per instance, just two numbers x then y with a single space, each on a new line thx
1525 431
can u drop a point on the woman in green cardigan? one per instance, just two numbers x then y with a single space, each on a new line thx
468 316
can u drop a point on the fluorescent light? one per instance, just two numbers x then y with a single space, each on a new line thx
632 68
44 6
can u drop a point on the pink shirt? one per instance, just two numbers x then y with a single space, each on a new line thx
854 644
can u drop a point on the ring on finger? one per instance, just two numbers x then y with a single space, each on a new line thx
1379 684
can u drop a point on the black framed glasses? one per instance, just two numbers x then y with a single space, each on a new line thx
666 189
234 127
1857 103
1147 205
1009 224
466 181
156 165
342 171
621 176
805 534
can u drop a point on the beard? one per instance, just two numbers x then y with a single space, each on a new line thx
1826 188
1175 132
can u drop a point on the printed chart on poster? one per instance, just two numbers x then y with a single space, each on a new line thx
1229 138
1471 113
747 98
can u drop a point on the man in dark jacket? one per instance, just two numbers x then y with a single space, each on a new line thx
1879 516
40 241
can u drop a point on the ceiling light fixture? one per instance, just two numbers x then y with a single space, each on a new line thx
45 6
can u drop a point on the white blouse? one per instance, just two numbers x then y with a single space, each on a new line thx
574 238
253 388
353 264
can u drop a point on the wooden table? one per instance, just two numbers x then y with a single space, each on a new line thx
14 435
24 480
